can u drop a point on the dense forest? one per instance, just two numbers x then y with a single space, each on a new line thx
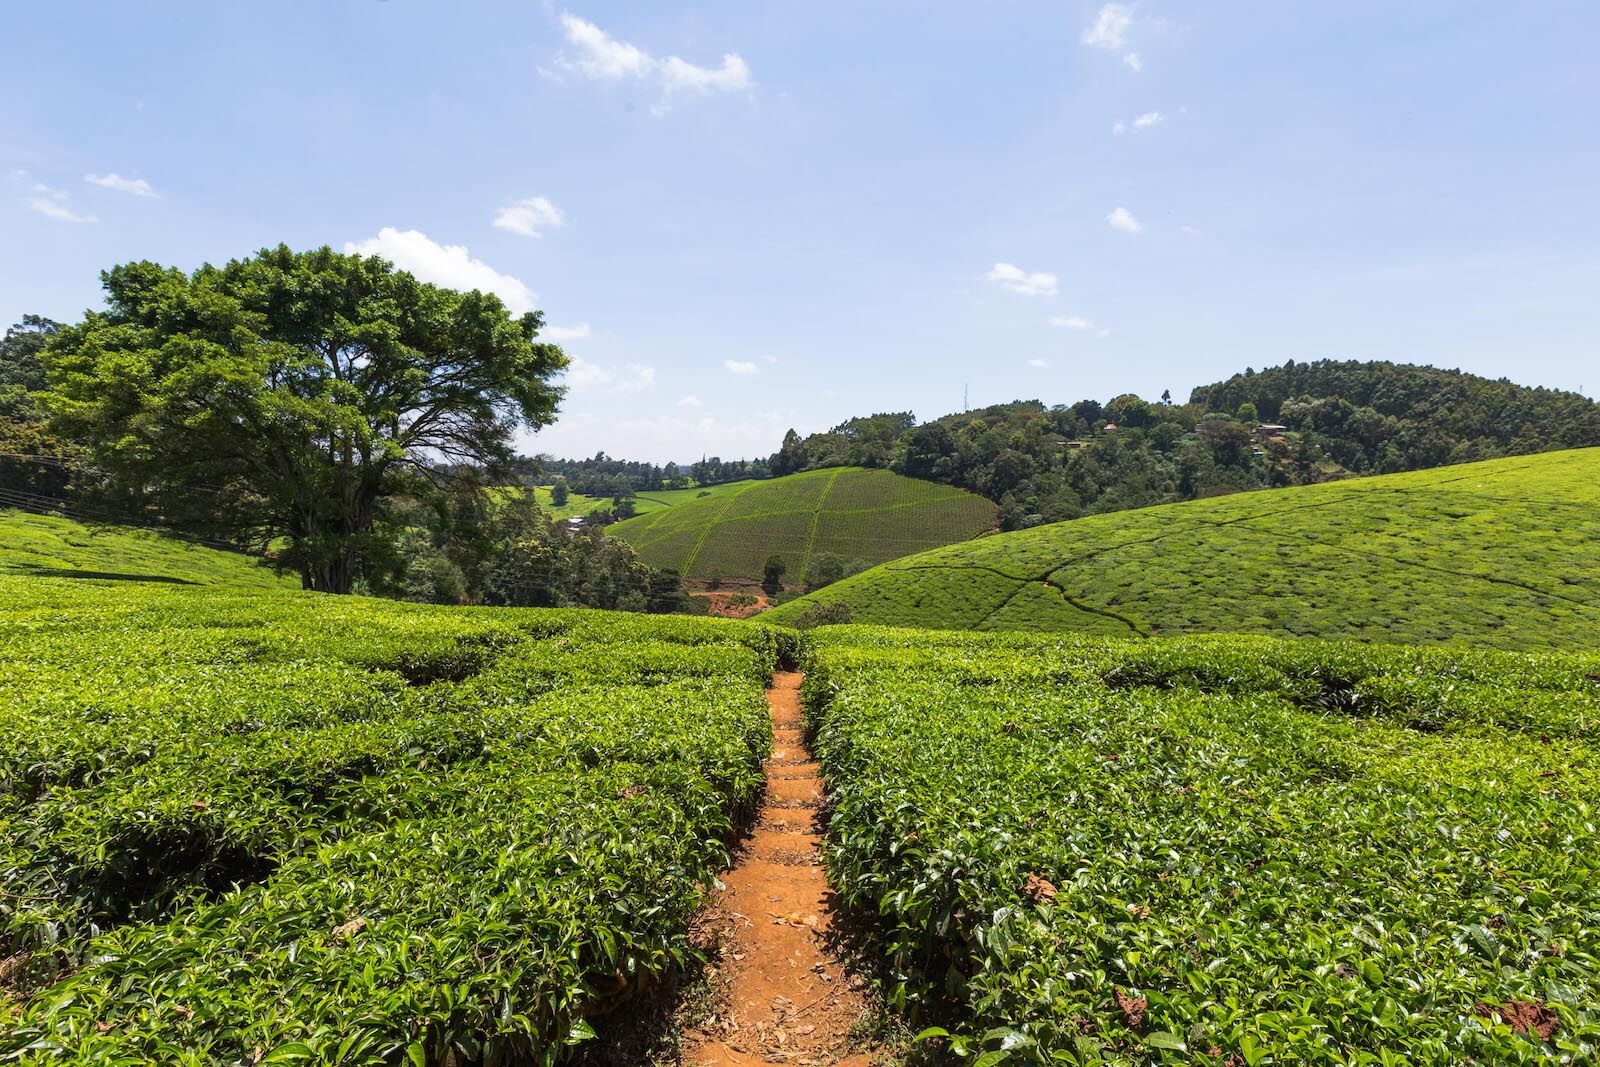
1288 425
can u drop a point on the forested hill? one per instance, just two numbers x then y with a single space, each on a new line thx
1296 424
1395 416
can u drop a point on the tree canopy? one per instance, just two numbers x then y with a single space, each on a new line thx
281 397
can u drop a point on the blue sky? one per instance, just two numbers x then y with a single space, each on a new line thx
744 217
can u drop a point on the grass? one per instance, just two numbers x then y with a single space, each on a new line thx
1218 850
48 546
1504 553
870 515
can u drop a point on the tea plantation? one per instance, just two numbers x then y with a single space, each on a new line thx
1218 850
242 824
293 828
1504 553
47 545
853 513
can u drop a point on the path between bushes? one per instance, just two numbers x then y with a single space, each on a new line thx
785 997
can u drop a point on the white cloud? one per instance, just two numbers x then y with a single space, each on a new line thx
52 204
771 360
690 401
1041 364
1189 231
584 376
1122 219
1013 277
741 366
1071 322
602 55
604 58
1109 30
529 216
732 76
1143 122
558 334
132 186
448 265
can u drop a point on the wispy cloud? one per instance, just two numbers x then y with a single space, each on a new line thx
1071 322
559 334
1143 122
1109 31
1014 278
530 216
602 57
740 366
52 204
1122 219
451 266
690 401
1041 364
585 376
131 186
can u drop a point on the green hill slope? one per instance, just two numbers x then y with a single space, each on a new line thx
46 546
1504 553
872 515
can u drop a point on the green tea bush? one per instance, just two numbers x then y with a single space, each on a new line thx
1207 850
241 829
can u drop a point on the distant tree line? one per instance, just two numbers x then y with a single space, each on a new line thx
603 476
1384 417
1288 425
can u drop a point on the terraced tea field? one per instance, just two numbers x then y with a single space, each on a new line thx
1504 553
872 515
241 829
1218 850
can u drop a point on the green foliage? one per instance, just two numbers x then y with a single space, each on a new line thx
1372 417
297 390
854 514
239 828
21 367
1504 553
834 614
553 567
1080 850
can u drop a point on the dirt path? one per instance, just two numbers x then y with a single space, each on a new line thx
787 1000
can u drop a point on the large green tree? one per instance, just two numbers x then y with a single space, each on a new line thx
282 397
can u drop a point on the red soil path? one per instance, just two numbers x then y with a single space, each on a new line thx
787 999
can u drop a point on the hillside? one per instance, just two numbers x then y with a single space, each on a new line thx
1297 424
48 546
729 531
1504 553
